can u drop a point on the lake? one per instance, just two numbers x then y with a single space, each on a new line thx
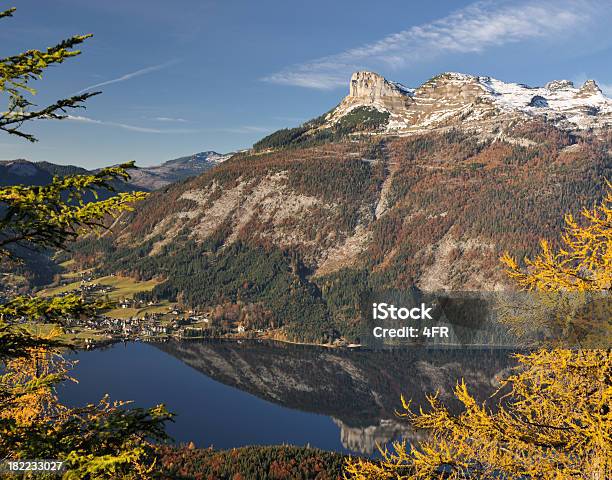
229 394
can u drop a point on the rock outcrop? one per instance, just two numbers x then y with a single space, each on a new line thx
368 89
588 89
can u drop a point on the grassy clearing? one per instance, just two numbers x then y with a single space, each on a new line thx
49 292
126 287
122 287
161 307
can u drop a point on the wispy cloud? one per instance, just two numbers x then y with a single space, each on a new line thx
124 126
479 26
169 119
246 129
128 76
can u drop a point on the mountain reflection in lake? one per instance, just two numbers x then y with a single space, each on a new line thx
246 393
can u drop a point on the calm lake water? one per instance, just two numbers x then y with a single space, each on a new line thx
229 394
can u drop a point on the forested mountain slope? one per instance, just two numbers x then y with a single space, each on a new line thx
293 235
304 230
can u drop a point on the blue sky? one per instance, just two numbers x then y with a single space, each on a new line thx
192 75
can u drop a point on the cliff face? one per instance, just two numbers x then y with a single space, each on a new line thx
368 89
371 86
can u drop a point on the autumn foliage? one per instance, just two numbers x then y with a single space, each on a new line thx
551 418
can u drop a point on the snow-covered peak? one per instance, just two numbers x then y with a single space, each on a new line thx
198 160
559 101
218 157
457 98
453 77
404 89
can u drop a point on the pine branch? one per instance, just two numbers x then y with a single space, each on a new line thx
49 112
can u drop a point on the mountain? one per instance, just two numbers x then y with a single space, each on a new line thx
21 171
38 269
377 106
16 172
294 232
152 178
476 102
24 172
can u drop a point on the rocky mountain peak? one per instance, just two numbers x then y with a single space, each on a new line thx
589 88
377 106
559 85
454 77
198 159
374 87
371 90
155 177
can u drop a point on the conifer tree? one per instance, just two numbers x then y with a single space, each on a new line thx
105 440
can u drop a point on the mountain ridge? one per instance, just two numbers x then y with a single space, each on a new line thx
431 104
177 169
22 171
377 106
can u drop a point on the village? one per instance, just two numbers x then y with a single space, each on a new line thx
133 319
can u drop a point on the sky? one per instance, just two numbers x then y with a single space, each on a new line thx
192 75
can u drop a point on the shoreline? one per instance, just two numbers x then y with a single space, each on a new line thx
283 342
